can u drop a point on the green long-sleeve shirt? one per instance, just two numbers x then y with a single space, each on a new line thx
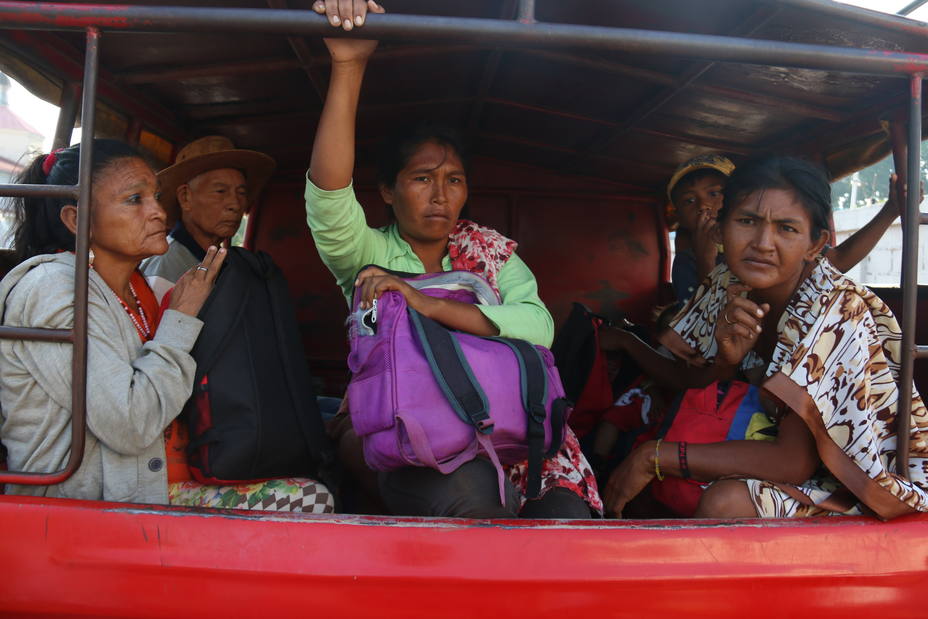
346 243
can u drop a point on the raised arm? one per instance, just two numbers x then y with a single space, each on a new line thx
856 247
332 160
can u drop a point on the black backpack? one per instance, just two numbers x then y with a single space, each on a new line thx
253 413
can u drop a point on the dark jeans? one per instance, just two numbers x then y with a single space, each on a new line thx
472 491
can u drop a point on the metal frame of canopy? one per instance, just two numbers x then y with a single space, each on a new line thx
524 30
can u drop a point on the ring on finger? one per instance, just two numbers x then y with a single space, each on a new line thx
727 319
200 267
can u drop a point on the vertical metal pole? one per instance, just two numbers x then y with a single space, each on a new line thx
526 11
910 225
66 115
82 243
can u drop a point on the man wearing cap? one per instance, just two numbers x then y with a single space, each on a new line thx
206 192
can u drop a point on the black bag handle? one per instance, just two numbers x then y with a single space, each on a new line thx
311 425
456 380
230 295
452 372
534 384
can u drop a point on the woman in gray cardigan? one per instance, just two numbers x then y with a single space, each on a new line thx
139 371
134 390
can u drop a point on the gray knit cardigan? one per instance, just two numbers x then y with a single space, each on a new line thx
133 391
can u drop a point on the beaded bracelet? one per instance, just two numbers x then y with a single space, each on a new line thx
684 465
657 460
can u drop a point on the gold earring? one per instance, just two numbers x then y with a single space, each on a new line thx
90 258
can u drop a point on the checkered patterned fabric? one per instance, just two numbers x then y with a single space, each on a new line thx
277 495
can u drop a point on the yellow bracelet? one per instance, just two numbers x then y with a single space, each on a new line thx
657 460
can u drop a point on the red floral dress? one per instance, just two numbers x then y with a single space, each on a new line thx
484 251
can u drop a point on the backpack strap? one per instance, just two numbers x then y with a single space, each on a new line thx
463 392
452 372
560 408
534 384
221 314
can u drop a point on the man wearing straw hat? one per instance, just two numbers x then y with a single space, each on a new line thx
205 193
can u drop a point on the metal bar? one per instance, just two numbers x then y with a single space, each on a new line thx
887 21
39 335
38 191
81 249
488 32
910 7
910 226
921 352
78 334
526 11
67 113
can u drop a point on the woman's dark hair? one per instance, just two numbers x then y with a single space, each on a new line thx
397 149
806 180
38 228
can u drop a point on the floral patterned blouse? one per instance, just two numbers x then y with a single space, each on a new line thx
836 364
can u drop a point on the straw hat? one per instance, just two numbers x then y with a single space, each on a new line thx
213 152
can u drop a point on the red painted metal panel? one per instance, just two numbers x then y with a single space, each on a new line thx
77 557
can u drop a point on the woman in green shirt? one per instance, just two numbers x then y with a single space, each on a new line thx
423 178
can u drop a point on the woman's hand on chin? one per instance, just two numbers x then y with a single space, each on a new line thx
738 326
373 282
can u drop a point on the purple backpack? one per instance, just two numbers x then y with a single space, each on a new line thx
424 395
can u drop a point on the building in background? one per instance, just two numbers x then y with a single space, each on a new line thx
883 265
19 141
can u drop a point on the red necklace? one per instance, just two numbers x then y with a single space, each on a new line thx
143 327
